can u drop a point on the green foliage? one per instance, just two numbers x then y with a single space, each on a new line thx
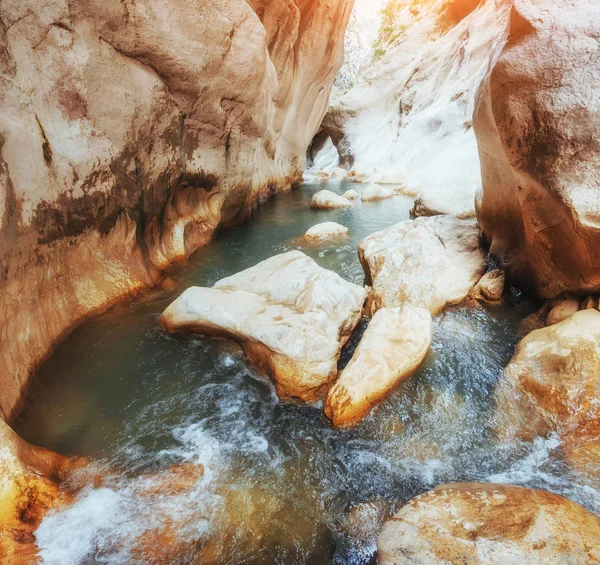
389 31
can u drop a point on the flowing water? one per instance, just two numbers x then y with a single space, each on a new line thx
201 462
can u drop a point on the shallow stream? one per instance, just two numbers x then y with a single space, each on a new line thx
202 462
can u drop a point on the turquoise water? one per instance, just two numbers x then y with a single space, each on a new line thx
277 484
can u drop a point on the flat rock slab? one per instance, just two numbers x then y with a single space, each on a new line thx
428 263
290 316
326 230
327 199
394 345
470 523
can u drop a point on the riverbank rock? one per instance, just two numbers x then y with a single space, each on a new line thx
132 131
538 129
327 199
30 480
444 201
562 310
553 381
375 192
494 524
326 230
351 195
491 287
290 316
428 263
394 345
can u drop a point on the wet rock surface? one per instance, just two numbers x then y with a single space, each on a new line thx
327 199
469 523
290 316
428 263
394 345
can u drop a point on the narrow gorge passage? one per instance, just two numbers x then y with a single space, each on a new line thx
274 483
299 282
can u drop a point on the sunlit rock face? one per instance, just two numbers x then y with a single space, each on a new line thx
428 263
408 119
129 132
30 480
552 384
290 316
538 128
492 524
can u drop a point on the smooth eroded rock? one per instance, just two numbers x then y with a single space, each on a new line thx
394 345
327 199
290 316
492 524
428 263
553 381
491 287
538 130
326 230
375 192
562 310
30 480
131 131
351 195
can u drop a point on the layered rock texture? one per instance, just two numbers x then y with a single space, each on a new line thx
538 128
428 263
472 523
394 345
130 131
408 118
290 316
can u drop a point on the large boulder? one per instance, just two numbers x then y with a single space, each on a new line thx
327 199
428 263
552 384
553 381
538 130
290 316
129 132
489 524
394 345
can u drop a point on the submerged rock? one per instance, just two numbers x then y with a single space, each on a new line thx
327 199
394 345
326 230
494 524
428 263
30 480
351 195
491 287
553 382
375 192
538 130
290 316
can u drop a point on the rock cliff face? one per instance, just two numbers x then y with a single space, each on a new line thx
538 128
408 119
129 132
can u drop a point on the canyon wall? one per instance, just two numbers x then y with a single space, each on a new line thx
408 119
129 132
538 128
